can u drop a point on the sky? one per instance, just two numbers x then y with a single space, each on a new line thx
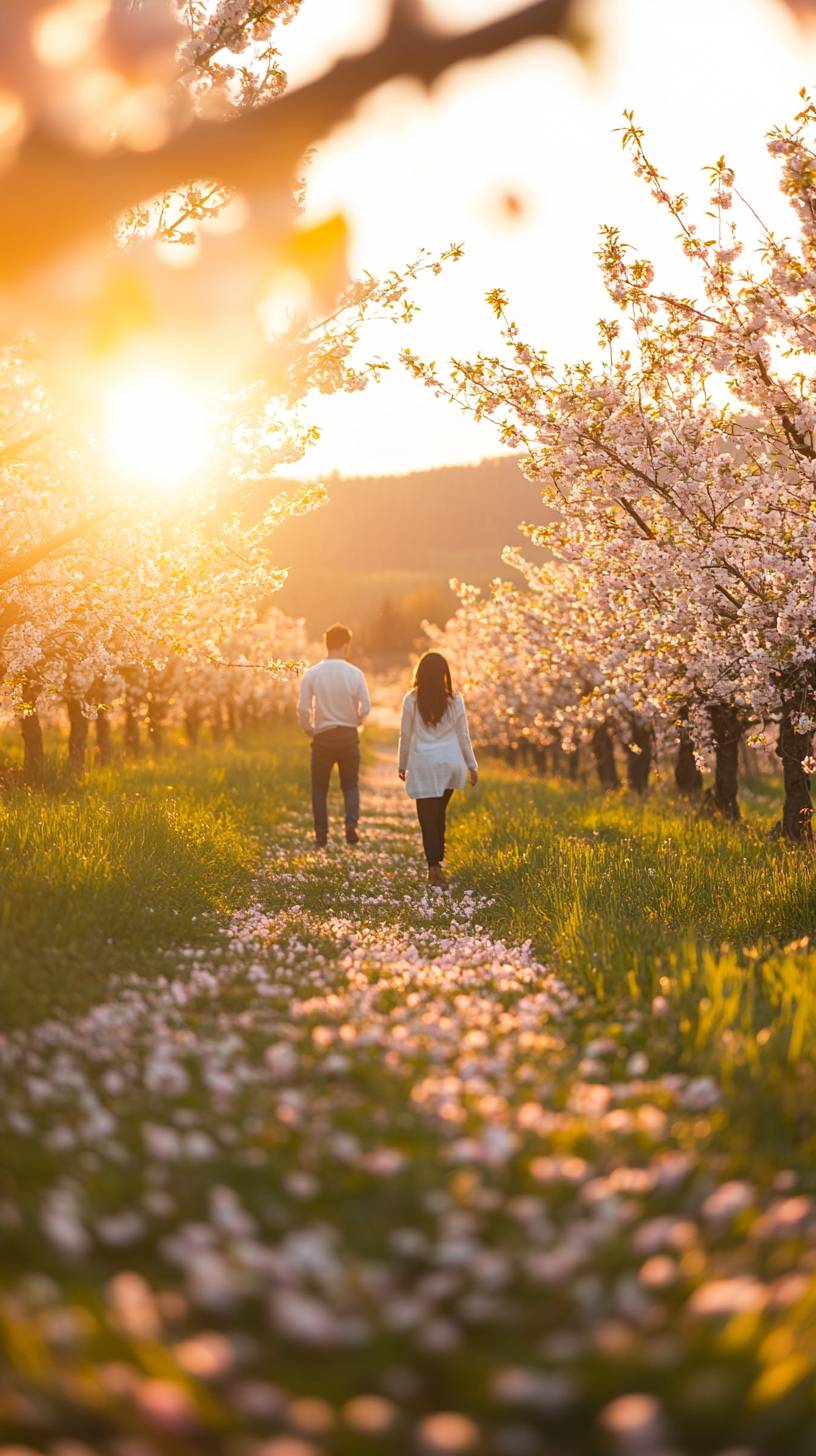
704 77
415 169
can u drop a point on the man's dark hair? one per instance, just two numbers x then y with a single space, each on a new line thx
336 636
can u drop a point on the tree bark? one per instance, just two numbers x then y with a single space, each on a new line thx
687 776
133 736
77 737
192 724
562 763
603 749
156 714
639 754
797 811
31 730
217 725
102 726
727 728
540 756
104 741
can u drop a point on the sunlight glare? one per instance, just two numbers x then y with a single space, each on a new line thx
157 428
66 32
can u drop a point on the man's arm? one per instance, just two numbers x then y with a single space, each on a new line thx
364 701
305 703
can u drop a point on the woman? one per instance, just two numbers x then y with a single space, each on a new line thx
435 754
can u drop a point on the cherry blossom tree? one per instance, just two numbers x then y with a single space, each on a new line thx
681 464
529 659
100 593
246 678
99 601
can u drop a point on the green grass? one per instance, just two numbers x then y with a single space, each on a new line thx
99 878
627 901
634 900
612 889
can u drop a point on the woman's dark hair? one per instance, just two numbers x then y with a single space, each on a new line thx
434 689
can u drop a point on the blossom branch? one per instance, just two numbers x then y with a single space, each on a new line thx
54 195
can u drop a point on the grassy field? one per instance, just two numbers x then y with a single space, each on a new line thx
611 888
315 1163
613 891
97 879
643 901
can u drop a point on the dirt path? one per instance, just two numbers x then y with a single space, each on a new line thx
358 1181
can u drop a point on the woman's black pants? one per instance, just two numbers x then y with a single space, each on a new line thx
431 814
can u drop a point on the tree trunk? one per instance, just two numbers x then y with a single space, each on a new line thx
725 721
639 753
573 764
540 755
217 724
133 737
687 776
104 742
192 724
561 762
31 730
792 747
77 737
156 713
604 751
33 753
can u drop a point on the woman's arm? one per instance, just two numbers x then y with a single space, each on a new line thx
463 734
406 733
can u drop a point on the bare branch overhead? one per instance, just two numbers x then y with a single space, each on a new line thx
53 195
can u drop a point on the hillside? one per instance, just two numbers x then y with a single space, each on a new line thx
392 543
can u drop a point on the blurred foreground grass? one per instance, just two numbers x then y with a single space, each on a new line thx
277 1199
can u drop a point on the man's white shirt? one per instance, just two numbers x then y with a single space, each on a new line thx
333 694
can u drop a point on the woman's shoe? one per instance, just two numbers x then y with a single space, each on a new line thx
437 877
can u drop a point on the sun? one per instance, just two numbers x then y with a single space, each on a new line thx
157 427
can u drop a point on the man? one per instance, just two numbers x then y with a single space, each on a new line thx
333 703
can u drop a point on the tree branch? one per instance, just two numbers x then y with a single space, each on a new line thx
12 452
25 560
53 196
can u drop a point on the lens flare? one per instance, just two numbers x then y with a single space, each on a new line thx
157 429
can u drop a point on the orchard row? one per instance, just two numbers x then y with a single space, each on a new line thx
674 600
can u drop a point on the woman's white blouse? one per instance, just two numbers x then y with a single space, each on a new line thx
436 756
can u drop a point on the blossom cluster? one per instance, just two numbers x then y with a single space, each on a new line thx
104 597
107 75
97 592
679 466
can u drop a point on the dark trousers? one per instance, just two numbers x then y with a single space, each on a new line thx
431 814
339 746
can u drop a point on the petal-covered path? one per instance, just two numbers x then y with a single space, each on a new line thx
360 1180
